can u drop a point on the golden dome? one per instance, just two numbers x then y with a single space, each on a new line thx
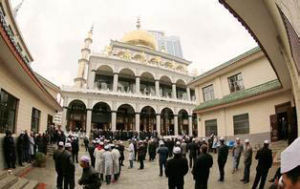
140 38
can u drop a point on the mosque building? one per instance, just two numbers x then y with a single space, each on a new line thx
130 86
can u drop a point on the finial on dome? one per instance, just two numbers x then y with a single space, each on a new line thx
92 28
138 22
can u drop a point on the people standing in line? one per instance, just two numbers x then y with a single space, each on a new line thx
9 150
265 160
68 167
131 154
57 156
75 148
26 147
31 147
89 178
108 164
176 169
20 148
193 151
99 161
91 150
116 162
142 151
247 161
222 158
201 168
236 154
163 153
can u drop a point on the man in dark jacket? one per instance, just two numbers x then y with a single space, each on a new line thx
265 160
222 158
68 167
201 168
247 161
193 149
75 149
20 148
57 156
9 150
142 151
176 168
91 150
89 178
163 153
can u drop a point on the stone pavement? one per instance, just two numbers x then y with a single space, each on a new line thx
149 179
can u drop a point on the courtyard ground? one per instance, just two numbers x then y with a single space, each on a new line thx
149 179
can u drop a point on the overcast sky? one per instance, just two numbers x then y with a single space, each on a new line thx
54 30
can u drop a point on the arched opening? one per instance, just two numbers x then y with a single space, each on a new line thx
165 87
126 81
195 125
147 84
101 116
125 118
183 122
104 78
76 116
167 122
148 119
181 90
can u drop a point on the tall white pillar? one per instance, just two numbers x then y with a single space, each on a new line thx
176 125
64 119
88 122
137 122
115 84
157 87
113 121
91 79
190 125
174 91
137 85
158 124
188 93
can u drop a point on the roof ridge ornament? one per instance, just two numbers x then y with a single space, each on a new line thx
138 22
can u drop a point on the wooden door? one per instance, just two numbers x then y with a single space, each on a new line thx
274 128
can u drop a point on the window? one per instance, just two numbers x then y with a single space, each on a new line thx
35 120
235 83
241 124
211 127
8 112
208 93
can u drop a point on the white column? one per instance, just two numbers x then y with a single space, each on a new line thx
64 119
157 87
190 125
176 125
137 85
115 84
113 121
91 79
158 124
174 91
88 122
137 122
188 93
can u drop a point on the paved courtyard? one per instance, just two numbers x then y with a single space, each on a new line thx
149 179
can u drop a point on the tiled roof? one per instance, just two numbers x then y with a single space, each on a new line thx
254 91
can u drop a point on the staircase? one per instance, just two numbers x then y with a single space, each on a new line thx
277 147
50 149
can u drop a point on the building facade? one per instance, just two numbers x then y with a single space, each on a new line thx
131 86
244 98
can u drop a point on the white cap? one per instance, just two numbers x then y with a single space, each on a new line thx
176 150
203 139
85 159
193 139
237 138
161 142
177 143
290 157
106 147
247 141
266 142
222 138
68 145
61 143
101 143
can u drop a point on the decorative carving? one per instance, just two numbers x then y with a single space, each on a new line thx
108 50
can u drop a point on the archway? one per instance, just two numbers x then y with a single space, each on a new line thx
76 116
104 78
181 90
183 122
148 119
126 82
167 122
147 86
101 116
165 87
126 118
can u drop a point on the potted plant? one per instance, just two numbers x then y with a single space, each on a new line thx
40 160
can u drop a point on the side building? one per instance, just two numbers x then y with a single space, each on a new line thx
244 98
25 103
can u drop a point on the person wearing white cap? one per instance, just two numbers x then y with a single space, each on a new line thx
108 164
290 166
131 154
89 177
68 167
222 158
236 153
176 169
163 153
247 161
265 160
116 163
98 154
58 164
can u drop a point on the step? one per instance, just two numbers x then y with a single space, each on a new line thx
21 183
3 174
8 181
31 184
